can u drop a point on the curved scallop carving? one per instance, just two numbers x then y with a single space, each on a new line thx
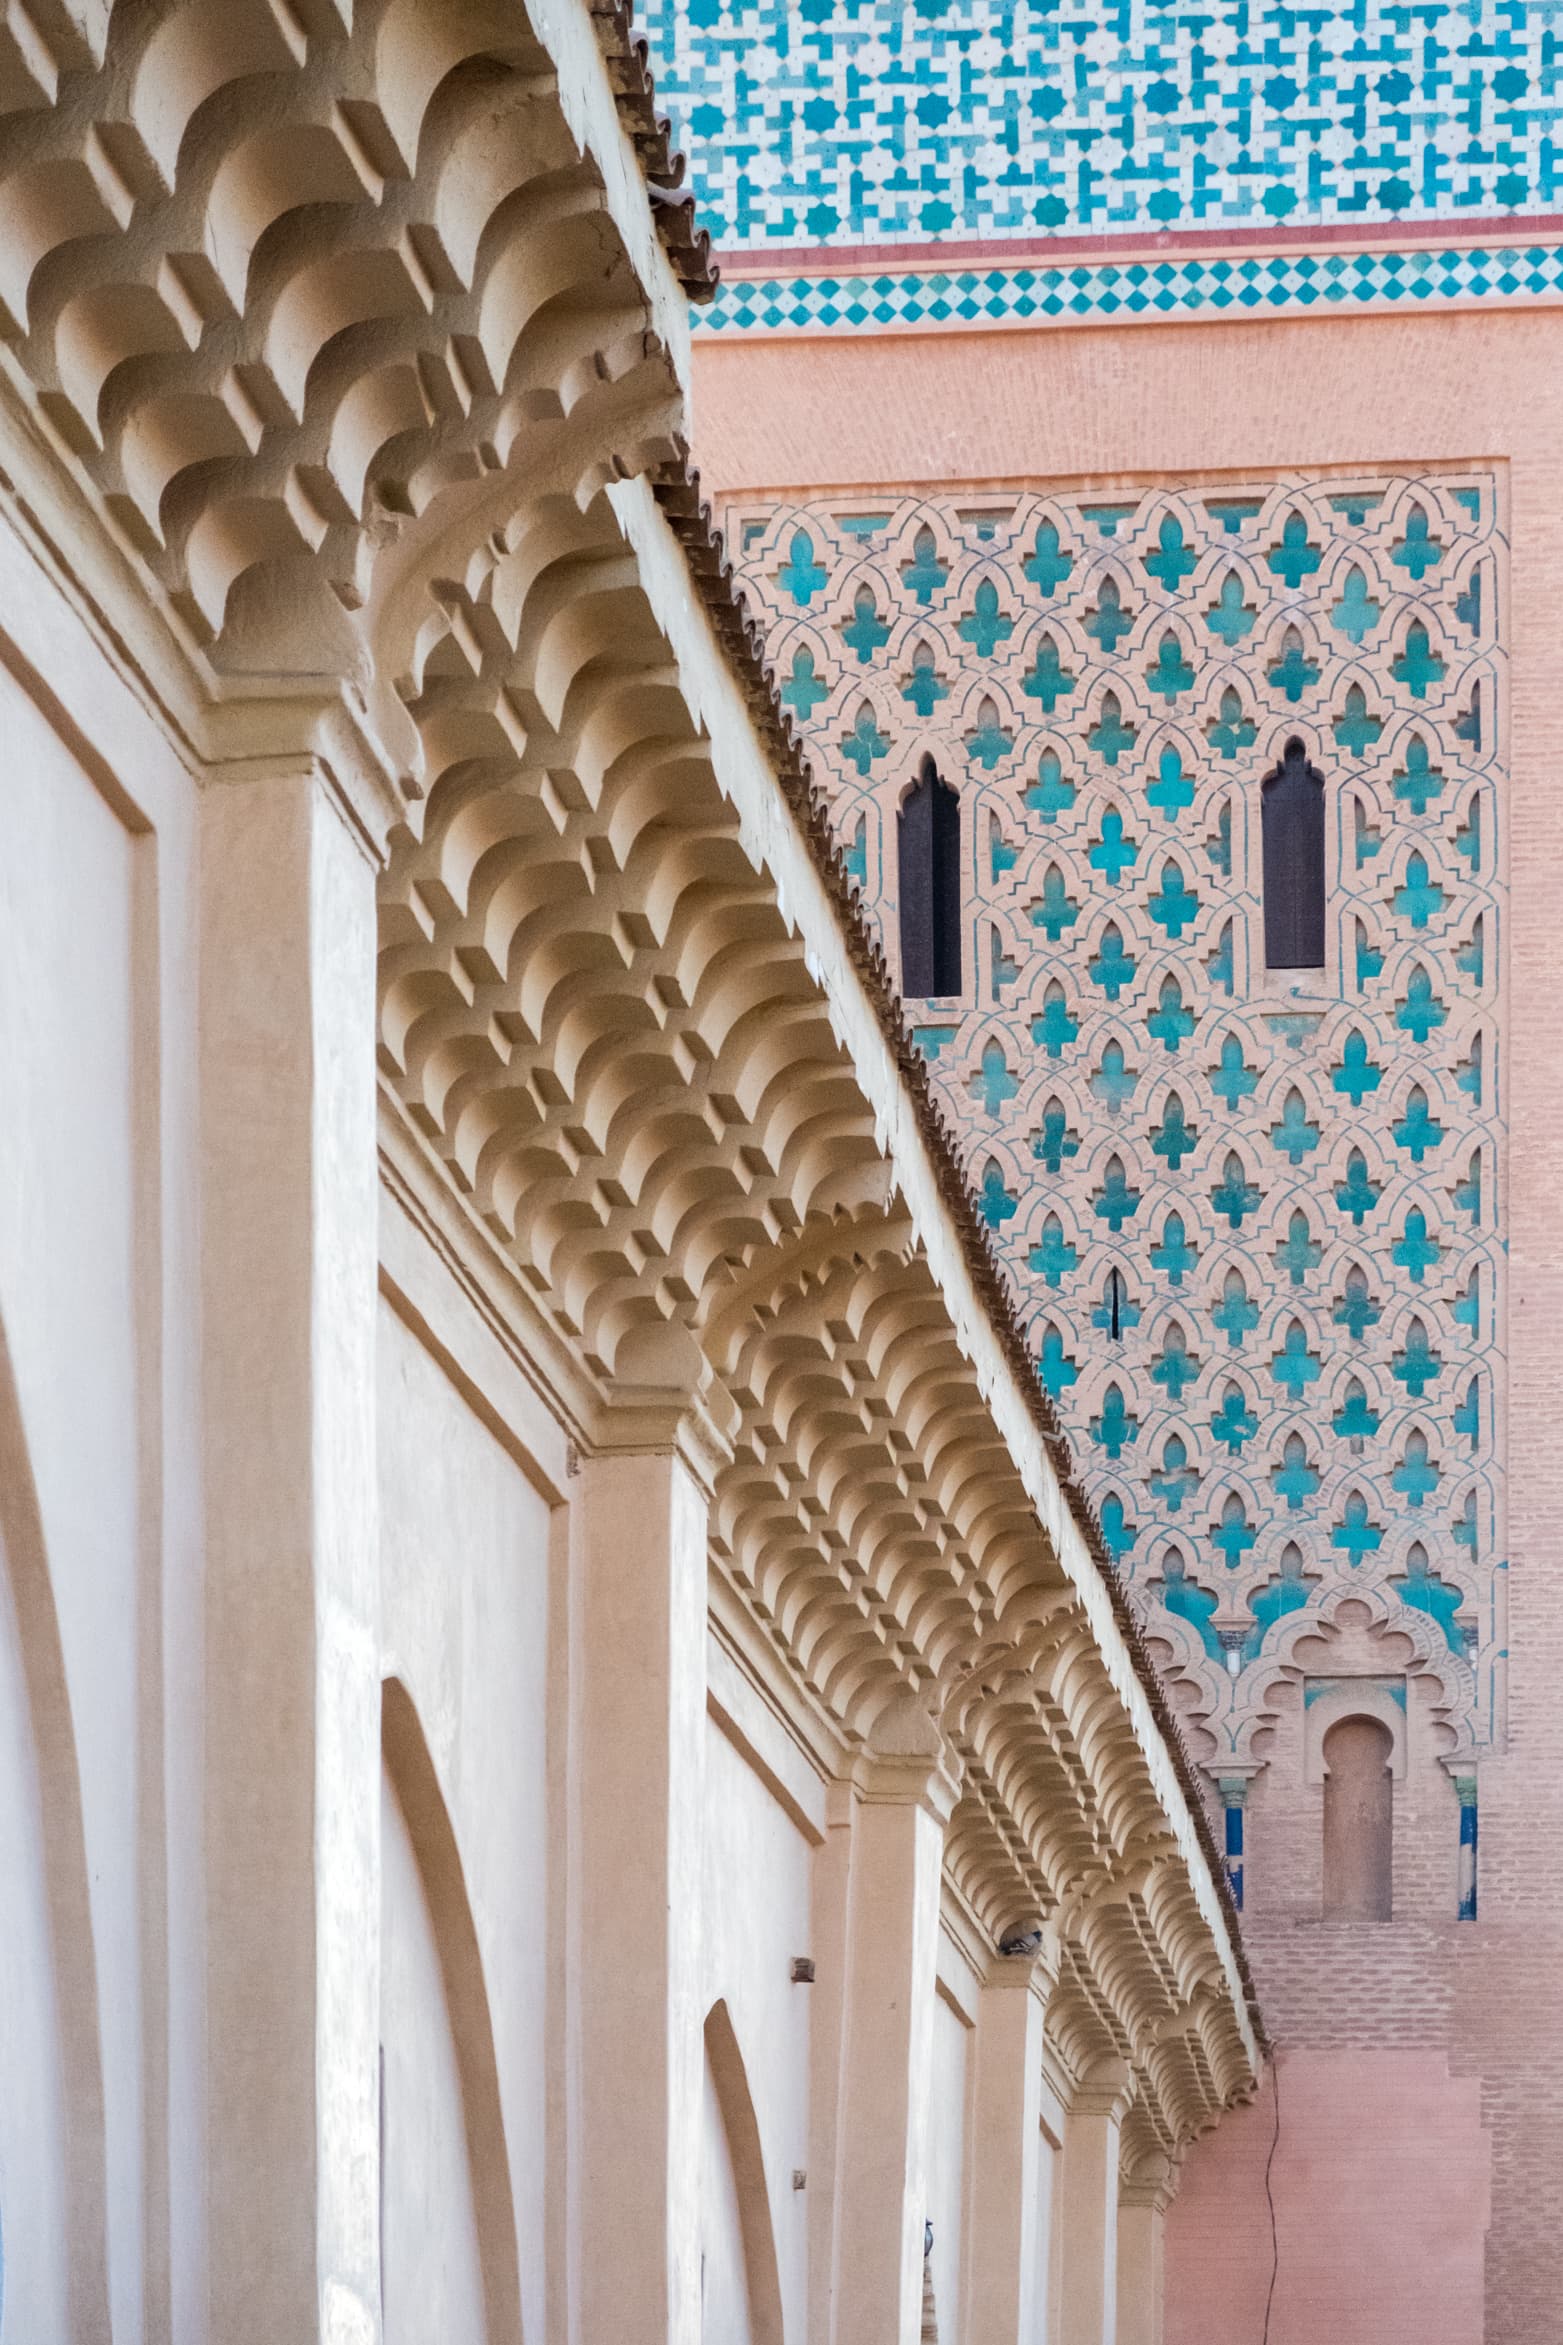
269 328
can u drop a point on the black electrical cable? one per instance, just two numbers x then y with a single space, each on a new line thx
1275 2236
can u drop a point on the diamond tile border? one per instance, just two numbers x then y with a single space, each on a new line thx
1124 292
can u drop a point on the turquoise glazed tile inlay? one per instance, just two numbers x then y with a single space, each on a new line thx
1405 157
1253 1216
884 122
1320 284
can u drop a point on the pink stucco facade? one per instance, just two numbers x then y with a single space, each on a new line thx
1379 2183
1421 2081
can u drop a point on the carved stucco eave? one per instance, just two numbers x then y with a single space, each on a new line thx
790 836
759 1230
366 477
282 310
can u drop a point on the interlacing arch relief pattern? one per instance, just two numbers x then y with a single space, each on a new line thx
1256 1217
596 1014
1361 1631
281 275
1404 1641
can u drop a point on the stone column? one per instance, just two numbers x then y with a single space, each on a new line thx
1006 2137
1234 1802
1464 1777
288 1198
638 1663
1088 2227
902 1799
1142 2208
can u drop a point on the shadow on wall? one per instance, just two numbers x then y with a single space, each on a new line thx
740 2283
413 1785
48 1968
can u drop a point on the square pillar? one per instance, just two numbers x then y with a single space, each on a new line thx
1006 2139
1088 2229
638 1668
289 1193
1141 2218
901 1798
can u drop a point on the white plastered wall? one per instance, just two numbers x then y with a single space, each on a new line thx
756 1919
1043 2327
101 1491
947 2155
464 1610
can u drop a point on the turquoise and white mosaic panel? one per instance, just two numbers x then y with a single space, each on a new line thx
884 122
1255 1218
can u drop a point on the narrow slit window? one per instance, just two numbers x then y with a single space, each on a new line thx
1292 819
930 872
1115 1302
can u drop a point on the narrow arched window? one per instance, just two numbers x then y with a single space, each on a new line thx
1358 1822
930 860
1114 1300
1291 810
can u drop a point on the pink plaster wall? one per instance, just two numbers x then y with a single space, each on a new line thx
1380 2182
1382 2193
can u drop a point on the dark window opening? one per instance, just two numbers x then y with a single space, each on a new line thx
1292 819
1115 1302
930 860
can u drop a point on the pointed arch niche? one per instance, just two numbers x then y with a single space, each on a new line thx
1359 1820
1291 809
52 2140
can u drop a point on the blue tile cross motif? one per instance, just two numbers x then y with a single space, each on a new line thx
904 125
1292 1177
878 122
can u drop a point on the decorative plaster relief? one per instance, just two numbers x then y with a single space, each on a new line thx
1255 1216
